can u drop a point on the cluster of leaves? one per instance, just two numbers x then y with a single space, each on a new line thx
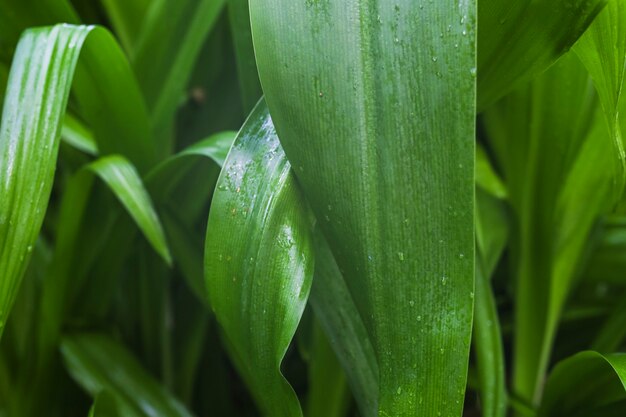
418 219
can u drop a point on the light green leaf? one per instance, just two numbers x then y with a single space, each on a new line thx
520 39
127 186
76 134
584 382
259 260
39 86
99 363
376 113
486 177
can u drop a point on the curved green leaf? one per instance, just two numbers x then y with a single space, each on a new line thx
259 260
584 382
602 49
374 103
99 363
39 87
519 39
124 181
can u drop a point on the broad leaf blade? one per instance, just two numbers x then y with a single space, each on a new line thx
375 111
259 260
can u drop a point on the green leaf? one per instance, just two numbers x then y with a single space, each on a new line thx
547 139
105 405
491 238
376 113
339 318
162 179
39 87
328 391
518 40
259 260
603 51
76 134
164 75
126 17
124 181
239 14
99 363
583 382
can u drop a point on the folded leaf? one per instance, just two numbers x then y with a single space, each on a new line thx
39 86
374 104
585 382
259 260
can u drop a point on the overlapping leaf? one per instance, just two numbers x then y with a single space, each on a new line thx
39 86
259 260
518 40
375 111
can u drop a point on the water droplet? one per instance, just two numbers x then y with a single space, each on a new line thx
301 168
464 33
434 59
461 256
399 390
419 318
330 208
321 94
411 303
401 256
327 218
442 350
473 71
472 295
220 257
406 221
234 279
29 249
396 40
444 280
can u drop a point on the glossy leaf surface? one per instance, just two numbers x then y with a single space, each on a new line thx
375 111
259 260
40 79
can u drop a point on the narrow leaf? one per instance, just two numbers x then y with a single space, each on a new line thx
39 86
99 363
127 186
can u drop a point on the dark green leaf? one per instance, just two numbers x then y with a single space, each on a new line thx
374 103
